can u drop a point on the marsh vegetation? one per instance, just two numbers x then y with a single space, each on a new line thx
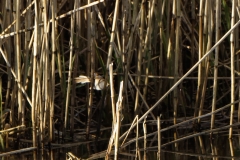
170 70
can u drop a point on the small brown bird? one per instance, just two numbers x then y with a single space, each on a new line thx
98 81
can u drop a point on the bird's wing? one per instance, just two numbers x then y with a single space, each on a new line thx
82 79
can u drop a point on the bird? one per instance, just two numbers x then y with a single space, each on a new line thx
99 81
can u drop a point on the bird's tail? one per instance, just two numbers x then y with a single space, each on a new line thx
82 79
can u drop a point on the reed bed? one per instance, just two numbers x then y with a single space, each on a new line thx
168 70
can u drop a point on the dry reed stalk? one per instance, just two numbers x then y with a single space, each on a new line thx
74 73
130 128
200 55
166 40
1 106
187 73
60 65
7 45
208 28
232 48
28 41
22 14
237 68
18 62
137 135
231 146
45 55
18 151
79 9
112 38
111 139
14 91
145 139
140 53
202 116
182 138
112 92
139 59
159 137
148 43
34 79
217 36
168 22
3 36
170 44
54 49
215 81
71 156
206 65
69 73
193 37
177 13
100 17
118 120
116 123
161 8
143 99
7 126
131 40
93 55
13 129
89 73
177 83
113 29
126 21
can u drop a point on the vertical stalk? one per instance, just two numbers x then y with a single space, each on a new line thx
14 64
145 139
159 137
34 80
27 66
238 67
6 20
93 53
232 47
1 110
208 41
137 135
91 57
118 120
148 44
176 59
114 23
18 55
215 81
193 20
61 69
200 54
208 29
75 65
202 40
89 86
51 125
161 8
125 18
112 92
135 10
170 45
45 90
139 57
